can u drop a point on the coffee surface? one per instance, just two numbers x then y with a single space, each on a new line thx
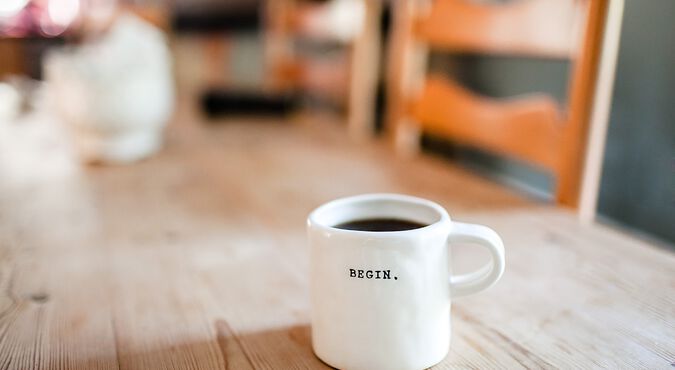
380 224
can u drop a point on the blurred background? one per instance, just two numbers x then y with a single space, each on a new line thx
115 73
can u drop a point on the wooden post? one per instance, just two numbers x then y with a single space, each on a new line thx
216 58
582 86
405 77
278 48
364 73
599 120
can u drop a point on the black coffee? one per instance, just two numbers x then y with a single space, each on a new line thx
380 224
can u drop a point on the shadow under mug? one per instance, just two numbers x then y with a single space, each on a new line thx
381 300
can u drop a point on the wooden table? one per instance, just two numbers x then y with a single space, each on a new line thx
196 258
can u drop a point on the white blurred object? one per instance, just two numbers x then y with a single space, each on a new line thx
9 8
116 92
338 19
63 12
10 102
97 15
346 18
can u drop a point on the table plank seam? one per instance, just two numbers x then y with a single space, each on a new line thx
509 341
223 331
116 340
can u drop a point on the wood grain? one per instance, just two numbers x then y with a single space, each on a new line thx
196 258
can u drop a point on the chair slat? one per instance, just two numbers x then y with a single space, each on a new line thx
326 78
528 128
541 28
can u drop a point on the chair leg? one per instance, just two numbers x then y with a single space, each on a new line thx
216 55
364 74
407 137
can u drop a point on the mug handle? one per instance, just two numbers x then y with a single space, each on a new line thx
486 276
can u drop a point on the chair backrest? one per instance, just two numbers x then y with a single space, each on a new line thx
350 80
532 128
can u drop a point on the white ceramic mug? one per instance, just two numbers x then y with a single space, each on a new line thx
381 300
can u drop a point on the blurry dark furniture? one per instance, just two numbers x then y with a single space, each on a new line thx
214 23
351 78
22 51
219 101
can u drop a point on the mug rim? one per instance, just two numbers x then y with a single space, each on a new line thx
443 216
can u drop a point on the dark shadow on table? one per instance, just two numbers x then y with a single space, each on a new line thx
282 348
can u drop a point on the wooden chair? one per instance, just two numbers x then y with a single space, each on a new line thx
350 81
532 128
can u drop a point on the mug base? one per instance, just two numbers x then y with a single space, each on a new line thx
346 366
